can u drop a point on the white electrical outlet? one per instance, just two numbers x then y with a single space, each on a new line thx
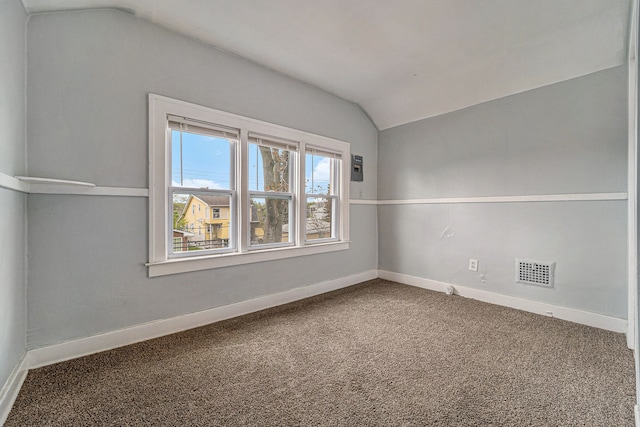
473 265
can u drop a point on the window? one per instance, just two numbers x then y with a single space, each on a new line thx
271 191
202 159
268 192
321 194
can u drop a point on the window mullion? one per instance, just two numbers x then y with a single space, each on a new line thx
160 205
342 232
336 189
242 213
301 211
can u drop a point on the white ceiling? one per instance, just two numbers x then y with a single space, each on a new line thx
402 60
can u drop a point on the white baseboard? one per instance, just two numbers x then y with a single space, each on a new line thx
637 415
110 340
11 388
577 316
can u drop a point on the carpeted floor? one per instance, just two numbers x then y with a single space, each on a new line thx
378 353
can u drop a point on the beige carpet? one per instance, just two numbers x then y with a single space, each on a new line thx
378 353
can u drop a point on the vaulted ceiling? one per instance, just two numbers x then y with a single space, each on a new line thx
402 60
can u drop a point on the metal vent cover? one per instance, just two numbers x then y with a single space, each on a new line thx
535 273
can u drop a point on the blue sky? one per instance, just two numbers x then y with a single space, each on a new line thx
205 161
206 164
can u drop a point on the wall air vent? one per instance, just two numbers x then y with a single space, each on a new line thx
535 272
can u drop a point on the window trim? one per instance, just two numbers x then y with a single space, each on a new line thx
181 124
336 176
161 107
291 195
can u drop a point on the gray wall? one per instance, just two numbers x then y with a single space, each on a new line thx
12 204
89 73
570 137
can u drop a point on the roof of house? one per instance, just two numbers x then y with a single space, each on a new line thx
213 201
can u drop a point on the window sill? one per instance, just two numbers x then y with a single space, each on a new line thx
185 265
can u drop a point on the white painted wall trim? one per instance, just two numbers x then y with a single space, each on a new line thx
144 192
632 206
31 185
11 183
11 388
510 199
363 202
577 316
53 181
88 191
110 340
637 415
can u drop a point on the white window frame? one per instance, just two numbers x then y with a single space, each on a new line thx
292 147
182 124
334 196
161 264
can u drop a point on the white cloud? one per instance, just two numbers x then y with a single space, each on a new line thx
322 171
197 183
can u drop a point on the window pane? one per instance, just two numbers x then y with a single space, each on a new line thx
269 220
193 229
319 218
269 168
319 174
200 161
